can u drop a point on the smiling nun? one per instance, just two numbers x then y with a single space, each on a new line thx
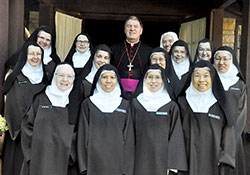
179 66
207 122
167 40
105 142
80 52
47 135
204 50
234 84
27 79
160 144
45 38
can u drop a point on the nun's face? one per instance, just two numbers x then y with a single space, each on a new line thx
179 54
205 51
101 58
222 61
64 77
108 81
34 55
133 30
153 81
158 58
44 39
202 80
82 43
167 42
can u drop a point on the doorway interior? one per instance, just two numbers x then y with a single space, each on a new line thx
112 31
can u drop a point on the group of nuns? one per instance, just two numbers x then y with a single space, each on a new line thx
186 117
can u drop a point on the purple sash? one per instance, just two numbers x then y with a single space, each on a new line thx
129 84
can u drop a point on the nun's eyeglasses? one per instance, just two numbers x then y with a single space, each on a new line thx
204 50
222 59
35 54
45 39
157 78
161 60
62 76
82 42
179 51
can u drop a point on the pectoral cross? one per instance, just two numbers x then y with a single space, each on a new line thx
130 66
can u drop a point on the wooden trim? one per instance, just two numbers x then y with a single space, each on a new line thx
211 25
217 29
226 4
4 28
245 52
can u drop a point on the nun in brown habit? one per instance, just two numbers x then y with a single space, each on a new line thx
105 142
47 136
233 82
208 123
160 147
84 81
27 79
179 66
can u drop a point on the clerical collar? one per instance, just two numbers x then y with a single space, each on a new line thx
132 44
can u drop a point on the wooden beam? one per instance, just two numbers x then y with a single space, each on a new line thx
160 8
16 25
245 52
4 28
226 4
11 29
245 67
211 26
122 17
234 12
217 26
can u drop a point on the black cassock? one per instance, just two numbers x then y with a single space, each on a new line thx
137 55
209 140
18 100
159 140
121 60
105 141
236 96
47 139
